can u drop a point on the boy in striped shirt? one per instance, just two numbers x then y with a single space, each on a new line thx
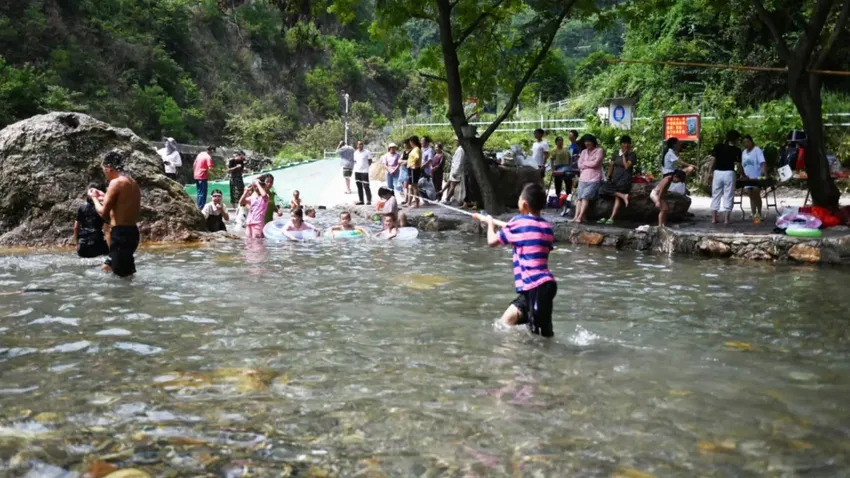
532 238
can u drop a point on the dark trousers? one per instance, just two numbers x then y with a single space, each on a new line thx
437 178
202 192
171 176
473 192
564 180
362 180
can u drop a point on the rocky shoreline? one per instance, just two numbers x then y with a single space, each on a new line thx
834 248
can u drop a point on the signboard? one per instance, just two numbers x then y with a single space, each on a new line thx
621 112
683 127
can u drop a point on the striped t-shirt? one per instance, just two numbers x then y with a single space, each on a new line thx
531 238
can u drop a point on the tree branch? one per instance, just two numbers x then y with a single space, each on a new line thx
429 76
811 35
475 24
838 29
781 46
520 85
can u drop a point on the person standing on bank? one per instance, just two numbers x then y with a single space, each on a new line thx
755 167
561 159
414 168
619 182
346 154
590 178
88 229
540 152
171 158
391 161
455 173
437 168
120 205
362 160
427 156
236 168
726 156
203 165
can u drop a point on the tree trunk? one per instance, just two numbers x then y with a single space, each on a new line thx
806 95
474 150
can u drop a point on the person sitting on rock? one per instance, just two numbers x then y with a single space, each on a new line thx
215 213
619 183
88 229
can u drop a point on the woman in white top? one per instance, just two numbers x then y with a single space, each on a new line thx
171 158
672 161
755 167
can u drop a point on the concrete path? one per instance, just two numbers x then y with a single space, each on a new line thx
320 184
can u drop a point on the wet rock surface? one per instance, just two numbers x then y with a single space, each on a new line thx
46 164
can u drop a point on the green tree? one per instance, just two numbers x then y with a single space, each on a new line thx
485 46
804 46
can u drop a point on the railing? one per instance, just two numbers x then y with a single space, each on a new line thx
564 124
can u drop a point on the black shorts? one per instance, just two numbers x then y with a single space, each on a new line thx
346 172
414 174
122 245
96 248
535 307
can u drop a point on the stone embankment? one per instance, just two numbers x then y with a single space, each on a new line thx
833 248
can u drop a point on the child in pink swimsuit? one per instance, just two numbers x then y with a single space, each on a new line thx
256 197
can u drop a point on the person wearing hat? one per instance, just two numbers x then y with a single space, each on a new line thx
392 161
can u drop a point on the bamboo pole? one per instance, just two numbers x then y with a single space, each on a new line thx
722 67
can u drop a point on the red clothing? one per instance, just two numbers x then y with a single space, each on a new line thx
203 164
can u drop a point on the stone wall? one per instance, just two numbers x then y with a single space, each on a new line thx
756 247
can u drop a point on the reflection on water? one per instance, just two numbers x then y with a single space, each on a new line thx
374 359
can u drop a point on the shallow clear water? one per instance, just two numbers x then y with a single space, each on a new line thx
375 359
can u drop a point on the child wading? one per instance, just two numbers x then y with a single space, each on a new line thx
532 240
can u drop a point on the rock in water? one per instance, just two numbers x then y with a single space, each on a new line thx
46 164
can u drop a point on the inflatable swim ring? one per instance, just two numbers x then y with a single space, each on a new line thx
404 233
803 232
274 231
348 234
799 220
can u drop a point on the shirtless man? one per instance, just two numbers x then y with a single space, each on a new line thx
120 206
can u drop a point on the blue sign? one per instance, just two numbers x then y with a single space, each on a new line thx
619 113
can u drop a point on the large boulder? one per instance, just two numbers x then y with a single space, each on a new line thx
641 208
510 181
46 164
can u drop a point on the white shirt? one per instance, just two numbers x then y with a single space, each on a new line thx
210 210
537 150
171 161
361 161
752 161
457 161
670 160
677 188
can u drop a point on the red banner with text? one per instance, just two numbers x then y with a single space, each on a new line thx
683 127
